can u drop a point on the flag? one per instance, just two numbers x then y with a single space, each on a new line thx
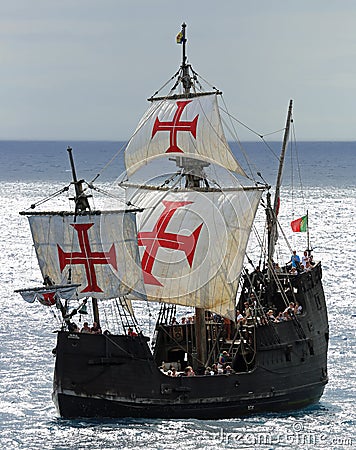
300 225
180 37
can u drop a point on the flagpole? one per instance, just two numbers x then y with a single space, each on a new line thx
184 55
308 240
186 81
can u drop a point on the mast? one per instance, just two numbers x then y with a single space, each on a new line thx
81 205
273 212
194 175
186 81
80 199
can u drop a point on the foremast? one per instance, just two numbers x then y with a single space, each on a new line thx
82 205
80 199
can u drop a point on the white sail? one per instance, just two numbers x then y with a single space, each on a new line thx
192 244
99 251
185 127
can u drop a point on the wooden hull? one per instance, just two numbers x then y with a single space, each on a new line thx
117 376
73 406
99 379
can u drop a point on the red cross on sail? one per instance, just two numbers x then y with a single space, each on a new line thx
191 127
160 237
87 257
97 252
47 298
176 125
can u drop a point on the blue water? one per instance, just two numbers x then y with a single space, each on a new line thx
31 170
322 163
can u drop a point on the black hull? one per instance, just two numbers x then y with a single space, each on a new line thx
72 406
117 375
115 386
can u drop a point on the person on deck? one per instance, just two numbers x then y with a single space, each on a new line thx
295 260
86 328
298 309
189 372
73 327
289 311
247 310
131 332
239 318
95 329
305 259
228 370
207 371
223 357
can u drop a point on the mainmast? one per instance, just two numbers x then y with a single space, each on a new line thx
273 212
193 170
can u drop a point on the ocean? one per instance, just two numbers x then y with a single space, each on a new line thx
325 185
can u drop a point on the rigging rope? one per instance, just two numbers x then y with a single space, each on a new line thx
55 194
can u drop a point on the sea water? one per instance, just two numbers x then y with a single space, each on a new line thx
30 171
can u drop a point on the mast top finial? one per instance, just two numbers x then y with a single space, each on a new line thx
186 81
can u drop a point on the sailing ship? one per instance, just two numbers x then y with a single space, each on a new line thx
180 242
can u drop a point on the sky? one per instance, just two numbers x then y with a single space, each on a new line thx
83 69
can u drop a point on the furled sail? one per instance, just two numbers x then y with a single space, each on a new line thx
193 243
97 250
48 295
186 127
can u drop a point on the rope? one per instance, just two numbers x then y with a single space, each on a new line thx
108 194
109 162
242 343
124 146
55 194
166 83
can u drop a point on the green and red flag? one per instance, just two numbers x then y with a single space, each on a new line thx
300 225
